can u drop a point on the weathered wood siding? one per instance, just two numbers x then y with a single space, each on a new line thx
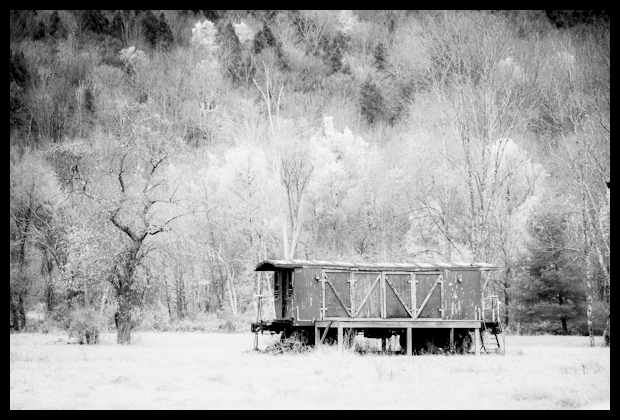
461 298
307 294
340 282
425 283
402 286
363 283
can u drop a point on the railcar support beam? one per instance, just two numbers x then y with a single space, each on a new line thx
340 339
452 339
317 338
409 341
477 341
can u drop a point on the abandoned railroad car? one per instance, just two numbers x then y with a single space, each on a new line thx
428 305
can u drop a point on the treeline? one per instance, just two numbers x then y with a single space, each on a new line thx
157 156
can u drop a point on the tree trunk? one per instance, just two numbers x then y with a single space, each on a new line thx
14 316
507 298
588 275
607 328
127 298
104 298
124 326
180 293
124 323
563 319
21 312
168 299
506 309
233 296
587 243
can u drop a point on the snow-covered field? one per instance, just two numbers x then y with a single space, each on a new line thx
220 371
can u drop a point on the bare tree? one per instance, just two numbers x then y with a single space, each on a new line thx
484 86
290 167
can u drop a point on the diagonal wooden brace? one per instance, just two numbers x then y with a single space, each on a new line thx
399 296
325 332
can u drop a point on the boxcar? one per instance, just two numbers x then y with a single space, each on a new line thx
427 305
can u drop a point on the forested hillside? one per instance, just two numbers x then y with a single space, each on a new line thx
157 156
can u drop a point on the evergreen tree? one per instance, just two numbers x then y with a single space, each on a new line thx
18 69
165 33
263 39
213 15
150 28
266 39
336 51
230 50
95 21
40 31
17 107
380 57
117 28
553 290
372 102
19 80
57 28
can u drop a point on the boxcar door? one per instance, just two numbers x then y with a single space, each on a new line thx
366 294
336 296
283 293
398 296
429 289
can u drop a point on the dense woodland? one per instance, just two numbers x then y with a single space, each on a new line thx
157 156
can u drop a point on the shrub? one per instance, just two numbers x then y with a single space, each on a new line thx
84 325
155 318
228 325
296 343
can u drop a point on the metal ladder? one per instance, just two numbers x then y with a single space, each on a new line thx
489 336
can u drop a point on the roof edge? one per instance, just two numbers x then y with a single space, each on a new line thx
274 265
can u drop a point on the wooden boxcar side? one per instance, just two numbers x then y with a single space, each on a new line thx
422 302
299 292
463 294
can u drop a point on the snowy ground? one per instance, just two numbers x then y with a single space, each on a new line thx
220 371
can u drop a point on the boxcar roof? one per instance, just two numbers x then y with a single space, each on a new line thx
272 265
